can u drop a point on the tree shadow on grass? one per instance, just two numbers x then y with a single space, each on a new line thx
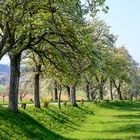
61 118
122 105
117 122
130 130
72 118
128 116
135 128
60 121
135 137
87 110
65 120
23 126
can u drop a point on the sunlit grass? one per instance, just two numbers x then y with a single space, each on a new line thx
113 120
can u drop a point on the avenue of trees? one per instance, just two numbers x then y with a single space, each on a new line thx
65 41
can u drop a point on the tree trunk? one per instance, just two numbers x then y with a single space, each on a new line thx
59 98
111 92
37 86
88 92
101 93
55 92
93 94
118 88
131 97
14 81
3 98
136 97
20 99
68 92
119 93
101 82
73 95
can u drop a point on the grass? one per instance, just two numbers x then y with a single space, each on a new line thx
114 120
103 121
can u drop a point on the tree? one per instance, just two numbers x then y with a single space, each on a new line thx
119 73
100 51
30 22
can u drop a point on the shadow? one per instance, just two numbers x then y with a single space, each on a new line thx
60 117
122 105
96 139
86 110
22 126
128 116
121 121
135 137
62 121
65 120
131 128
71 117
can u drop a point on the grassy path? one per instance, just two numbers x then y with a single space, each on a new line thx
114 121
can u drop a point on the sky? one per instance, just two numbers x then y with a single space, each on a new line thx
5 60
124 19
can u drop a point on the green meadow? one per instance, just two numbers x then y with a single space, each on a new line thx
101 121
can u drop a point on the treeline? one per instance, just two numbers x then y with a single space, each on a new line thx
55 38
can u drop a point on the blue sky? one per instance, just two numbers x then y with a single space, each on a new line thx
124 19
5 60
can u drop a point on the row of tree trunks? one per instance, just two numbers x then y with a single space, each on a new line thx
101 90
71 92
90 91
14 82
118 88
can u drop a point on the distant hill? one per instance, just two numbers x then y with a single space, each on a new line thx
4 68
